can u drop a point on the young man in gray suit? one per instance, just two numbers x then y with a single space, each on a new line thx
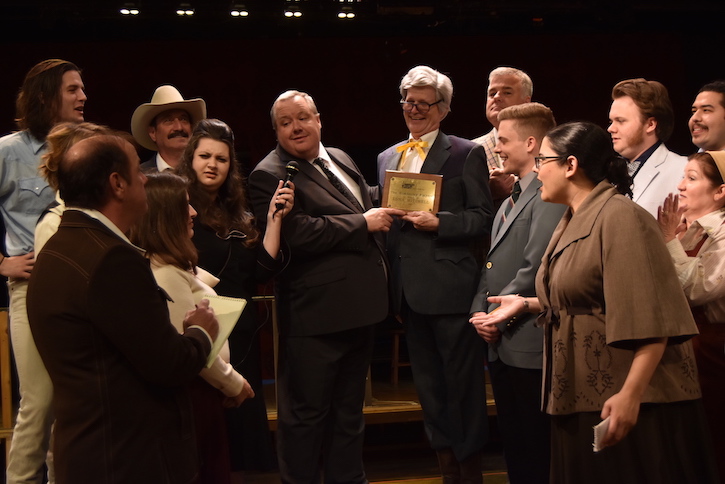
521 231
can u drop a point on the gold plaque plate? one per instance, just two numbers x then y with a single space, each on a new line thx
420 192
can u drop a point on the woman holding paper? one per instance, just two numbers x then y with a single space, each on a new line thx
617 327
233 249
165 232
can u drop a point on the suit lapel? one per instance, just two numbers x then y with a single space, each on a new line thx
318 178
437 155
524 199
649 171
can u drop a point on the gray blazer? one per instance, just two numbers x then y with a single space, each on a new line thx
513 260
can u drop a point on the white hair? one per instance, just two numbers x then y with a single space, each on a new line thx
526 84
424 76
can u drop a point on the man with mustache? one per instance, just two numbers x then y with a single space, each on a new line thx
707 124
52 92
641 119
164 125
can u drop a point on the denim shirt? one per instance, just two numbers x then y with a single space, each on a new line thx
24 194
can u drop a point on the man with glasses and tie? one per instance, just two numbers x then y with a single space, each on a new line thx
522 229
330 295
434 274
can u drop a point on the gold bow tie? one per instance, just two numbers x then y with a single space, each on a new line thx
418 145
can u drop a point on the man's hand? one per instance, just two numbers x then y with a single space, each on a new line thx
380 219
424 221
203 316
247 392
486 330
501 184
18 266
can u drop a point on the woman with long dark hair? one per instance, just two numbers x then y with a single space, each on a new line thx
232 248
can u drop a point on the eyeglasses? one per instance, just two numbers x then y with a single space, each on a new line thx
422 107
541 160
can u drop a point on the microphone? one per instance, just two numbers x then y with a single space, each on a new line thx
292 169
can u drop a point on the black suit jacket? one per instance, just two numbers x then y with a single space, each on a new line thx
438 271
117 364
336 278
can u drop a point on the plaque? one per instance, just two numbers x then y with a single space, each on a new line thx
419 192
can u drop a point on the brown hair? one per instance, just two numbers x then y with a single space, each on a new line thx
39 99
532 119
59 140
164 230
653 101
709 167
229 210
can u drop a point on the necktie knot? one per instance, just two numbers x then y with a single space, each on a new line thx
516 193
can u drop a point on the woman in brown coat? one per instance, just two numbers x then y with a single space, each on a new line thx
617 326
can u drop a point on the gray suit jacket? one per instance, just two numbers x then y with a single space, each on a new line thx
513 260
659 177
438 271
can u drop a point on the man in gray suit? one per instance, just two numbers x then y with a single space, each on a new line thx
521 231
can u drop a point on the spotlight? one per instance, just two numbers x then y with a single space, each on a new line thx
239 10
129 9
292 11
346 13
185 10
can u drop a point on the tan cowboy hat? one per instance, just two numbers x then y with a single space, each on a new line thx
165 98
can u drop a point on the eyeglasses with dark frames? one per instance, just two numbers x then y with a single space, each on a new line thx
422 107
542 160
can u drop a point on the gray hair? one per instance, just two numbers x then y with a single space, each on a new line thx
526 84
424 76
290 95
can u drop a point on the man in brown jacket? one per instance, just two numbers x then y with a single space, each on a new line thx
102 328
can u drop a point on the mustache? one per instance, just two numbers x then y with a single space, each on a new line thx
178 133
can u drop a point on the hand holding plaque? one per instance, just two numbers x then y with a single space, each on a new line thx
412 191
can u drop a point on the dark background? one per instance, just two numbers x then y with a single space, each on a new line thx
574 51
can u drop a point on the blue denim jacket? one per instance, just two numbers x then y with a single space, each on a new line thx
24 193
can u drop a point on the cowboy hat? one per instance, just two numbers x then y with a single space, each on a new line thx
165 98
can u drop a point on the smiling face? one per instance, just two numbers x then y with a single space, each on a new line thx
298 128
503 91
631 135
698 195
72 98
417 122
554 183
707 124
513 150
211 164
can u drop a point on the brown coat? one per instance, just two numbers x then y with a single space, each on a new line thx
608 277
117 364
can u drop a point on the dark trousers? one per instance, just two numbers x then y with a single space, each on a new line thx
525 429
321 392
446 356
